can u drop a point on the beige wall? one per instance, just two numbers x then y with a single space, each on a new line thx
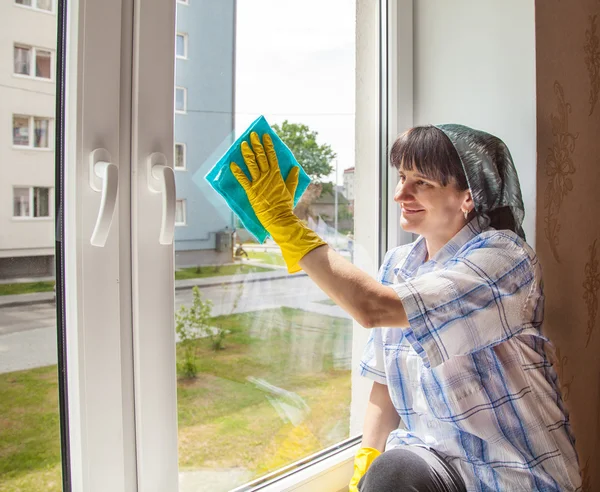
568 207
32 97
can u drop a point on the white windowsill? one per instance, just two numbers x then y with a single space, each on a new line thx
329 475
36 149
32 219
35 9
33 77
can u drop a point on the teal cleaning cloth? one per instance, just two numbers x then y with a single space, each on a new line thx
222 180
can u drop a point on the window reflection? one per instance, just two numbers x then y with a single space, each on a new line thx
263 357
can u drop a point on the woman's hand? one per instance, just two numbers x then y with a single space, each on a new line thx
272 200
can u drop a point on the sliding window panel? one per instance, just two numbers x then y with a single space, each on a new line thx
96 253
153 211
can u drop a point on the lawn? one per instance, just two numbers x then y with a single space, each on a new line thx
216 271
25 288
280 390
183 274
266 257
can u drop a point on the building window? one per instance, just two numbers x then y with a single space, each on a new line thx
180 156
33 62
31 131
181 45
46 5
180 99
180 218
31 202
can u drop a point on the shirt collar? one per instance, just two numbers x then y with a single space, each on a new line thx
415 259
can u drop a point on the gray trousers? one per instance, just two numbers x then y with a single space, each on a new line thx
411 469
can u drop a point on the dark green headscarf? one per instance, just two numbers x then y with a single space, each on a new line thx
491 176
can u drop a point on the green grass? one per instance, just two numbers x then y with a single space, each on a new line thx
329 302
183 274
217 270
268 258
25 288
225 419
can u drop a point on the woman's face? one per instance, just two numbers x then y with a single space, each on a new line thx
429 208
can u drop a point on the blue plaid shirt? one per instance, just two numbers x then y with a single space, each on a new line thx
471 376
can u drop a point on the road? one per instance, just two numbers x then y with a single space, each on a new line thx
28 333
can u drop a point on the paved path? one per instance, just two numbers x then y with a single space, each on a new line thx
28 329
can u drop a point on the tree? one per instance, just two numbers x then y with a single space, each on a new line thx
314 158
302 141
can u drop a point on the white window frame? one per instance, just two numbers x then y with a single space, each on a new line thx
32 63
183 203
184 157
32 119
34 6
31 216
155 383
120 335
184 89
184 35
184 2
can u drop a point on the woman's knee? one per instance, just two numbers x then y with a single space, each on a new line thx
397 469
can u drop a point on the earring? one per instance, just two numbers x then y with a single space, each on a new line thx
466 214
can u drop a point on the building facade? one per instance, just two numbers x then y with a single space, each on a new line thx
27 99
204 127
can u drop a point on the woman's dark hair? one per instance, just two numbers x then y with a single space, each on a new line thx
429 150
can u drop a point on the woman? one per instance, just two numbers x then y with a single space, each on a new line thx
461 363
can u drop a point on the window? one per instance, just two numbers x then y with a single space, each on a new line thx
23 57
185 2
47 5
180 218
180 99
21 131
43 64
181 45
26 126
31 202
179 156
22 60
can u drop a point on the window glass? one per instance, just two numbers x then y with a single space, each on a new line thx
43 62
22 56
180 212
180 101
180 46
41 202
21 130
179 156
21 202
44 5
30 453
41 128
263 357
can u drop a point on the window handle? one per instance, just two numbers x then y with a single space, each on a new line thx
161 179
104 178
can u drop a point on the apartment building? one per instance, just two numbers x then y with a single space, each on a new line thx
27 99
204 127
204 107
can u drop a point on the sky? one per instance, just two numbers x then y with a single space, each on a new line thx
296 61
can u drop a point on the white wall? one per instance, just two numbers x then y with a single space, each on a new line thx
474 64
32 97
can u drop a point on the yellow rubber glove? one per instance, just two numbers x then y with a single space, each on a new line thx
273 200
362 461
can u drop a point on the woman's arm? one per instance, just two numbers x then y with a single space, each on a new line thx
381 418
365 299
